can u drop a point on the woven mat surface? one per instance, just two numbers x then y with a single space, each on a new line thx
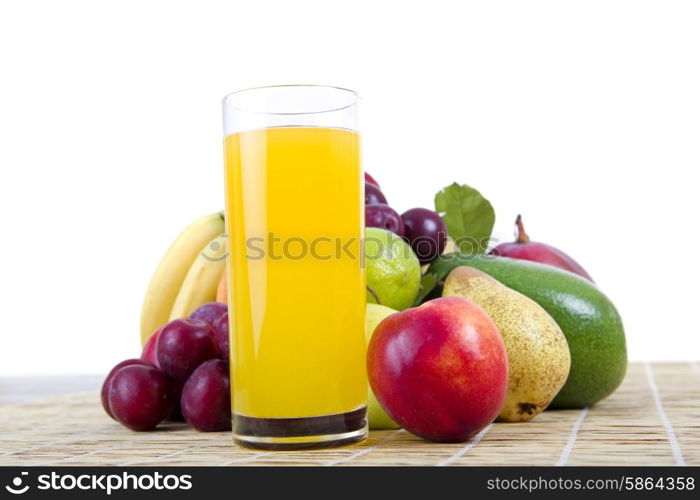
653 419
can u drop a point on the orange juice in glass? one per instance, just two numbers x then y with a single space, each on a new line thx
294 206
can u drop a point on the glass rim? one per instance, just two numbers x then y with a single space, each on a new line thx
227 98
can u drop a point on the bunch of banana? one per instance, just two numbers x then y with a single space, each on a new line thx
188 274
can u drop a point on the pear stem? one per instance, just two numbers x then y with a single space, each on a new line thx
520 234
374 295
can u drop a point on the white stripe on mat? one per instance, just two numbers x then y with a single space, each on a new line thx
677 455
365 451
566 452
694 365
244 459
471 444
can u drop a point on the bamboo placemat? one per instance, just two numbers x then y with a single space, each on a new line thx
653 419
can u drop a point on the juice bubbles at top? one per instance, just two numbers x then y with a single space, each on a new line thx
297 301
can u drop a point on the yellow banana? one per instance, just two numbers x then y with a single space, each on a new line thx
202 280
174 266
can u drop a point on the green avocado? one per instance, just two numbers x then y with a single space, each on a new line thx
590 322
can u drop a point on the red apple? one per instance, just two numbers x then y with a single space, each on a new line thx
439 370
523 248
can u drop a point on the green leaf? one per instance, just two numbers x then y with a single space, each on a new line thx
427 283
469 217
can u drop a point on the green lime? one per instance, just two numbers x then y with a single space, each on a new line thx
393 270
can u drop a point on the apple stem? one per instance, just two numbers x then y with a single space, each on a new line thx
374 295
520 234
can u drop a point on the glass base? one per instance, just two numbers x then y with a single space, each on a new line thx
300 433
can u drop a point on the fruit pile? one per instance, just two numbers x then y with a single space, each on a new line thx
500 333
183 373
459 334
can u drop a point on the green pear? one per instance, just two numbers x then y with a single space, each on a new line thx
538 354
376 416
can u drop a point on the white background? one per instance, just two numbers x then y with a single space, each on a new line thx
584 116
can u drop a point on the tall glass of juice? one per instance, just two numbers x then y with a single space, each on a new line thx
295 220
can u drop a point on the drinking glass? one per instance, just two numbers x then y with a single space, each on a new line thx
295 220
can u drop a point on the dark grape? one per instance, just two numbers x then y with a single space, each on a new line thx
210 312
426 233
206 397
183 345
373 195
149 350
221 335
104 393
384 217
370 180
176 414
140 397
